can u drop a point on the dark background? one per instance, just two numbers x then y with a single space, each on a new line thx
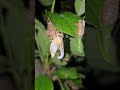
6 80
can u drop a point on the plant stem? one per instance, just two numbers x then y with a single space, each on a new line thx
61 85
53 6
47 61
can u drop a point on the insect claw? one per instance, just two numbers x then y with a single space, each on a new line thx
61 48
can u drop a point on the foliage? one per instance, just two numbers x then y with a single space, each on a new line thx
80 7
65 22
65 73
46 2
17 36
42 82
103 46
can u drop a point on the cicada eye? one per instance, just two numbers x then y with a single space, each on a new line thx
60 34
49 22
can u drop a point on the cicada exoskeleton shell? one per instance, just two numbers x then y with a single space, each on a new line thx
81 28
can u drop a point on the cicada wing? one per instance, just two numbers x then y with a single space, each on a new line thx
54 47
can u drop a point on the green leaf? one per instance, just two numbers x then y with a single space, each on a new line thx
65 22
76 47
67 73
39 25
57 61
45 2
42 39
93 12
42 82
79 7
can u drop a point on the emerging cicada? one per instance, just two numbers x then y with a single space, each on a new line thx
57 40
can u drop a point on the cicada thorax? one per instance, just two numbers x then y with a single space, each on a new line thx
51 30
81 28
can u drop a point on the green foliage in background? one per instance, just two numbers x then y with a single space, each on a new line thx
45 2
79 7
18 41
67 73
99 45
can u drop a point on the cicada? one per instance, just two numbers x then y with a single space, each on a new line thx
81 28
57 40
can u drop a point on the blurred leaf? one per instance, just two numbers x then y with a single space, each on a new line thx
103 47
41 38
76 47
45 2
67 73
42 82
36 53
109 13
61 84
79 58
65 22
4 70
18 37
78 83
82 76
4 61
4 64
66 86
97 55
39 25
79 7
93 12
